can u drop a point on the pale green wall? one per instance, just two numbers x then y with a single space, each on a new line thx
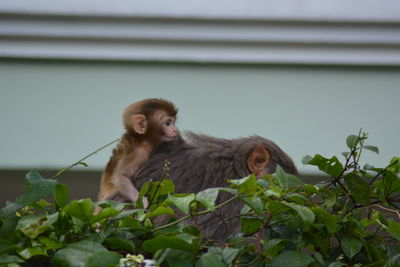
53 113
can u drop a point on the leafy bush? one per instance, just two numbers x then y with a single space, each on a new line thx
352 219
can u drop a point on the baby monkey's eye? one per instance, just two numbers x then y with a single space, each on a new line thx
169 122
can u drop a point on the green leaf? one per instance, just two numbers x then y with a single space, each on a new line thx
275 207
296 198
245 185
273 191
209 259
36 188
273 246
330 166
104 259
6 246
103 214
61 195
292 258
175 258
350 245
359 188
128 213
84 164
4 259
154 190
306 159
34 251
287 180
392 262
208 197
251 225
263 183
182 201
337 264
394 229
352 141
229 255
255 204
373 252
372 148
113 204
329 220
318 256
119 244
162 242
368 167
77 254
33 226
395 165
9 221
329 196
305 213
187 237
41 204
160 211
81 209
50 243
229 190
311 189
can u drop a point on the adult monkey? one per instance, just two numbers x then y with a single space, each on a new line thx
203 162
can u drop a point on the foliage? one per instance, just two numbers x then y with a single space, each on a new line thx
350 220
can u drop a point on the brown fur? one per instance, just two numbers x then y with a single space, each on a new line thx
133 149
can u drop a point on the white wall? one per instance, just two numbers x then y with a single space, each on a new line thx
362 10
53 113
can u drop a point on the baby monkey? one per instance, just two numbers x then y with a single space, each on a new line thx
148 123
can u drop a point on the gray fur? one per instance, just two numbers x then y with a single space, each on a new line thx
204 162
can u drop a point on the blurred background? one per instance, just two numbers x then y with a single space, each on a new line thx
303 73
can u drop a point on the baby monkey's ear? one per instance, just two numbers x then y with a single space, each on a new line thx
139 123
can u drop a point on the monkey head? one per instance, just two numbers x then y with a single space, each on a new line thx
151 120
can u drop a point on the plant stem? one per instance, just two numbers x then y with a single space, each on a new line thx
387 209
382 171
361 145
164 175
196 214
80 162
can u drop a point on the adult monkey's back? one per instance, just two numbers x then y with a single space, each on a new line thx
204 162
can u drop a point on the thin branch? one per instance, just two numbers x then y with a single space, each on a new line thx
395 199
382 171
361 145
164 175
336 180
387 209
80 162
393 205
196 214
225 220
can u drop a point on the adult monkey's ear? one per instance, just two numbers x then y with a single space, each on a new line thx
139 123
258 161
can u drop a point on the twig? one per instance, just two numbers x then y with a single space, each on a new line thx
387 209
361 145
196 214
80 162
225 220
260 234
346 167
165 174
382 171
